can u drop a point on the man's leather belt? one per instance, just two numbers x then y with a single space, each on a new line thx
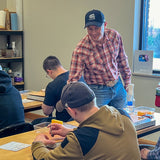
111 83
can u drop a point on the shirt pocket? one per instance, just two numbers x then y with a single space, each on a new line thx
96 64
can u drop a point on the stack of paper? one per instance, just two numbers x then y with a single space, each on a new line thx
37 96
142 122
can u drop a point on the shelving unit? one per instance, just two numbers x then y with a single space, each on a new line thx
16 64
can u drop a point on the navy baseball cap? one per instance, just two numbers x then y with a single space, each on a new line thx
75 95
94 18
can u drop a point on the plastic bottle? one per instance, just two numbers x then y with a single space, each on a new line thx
130 99
14 49
157 99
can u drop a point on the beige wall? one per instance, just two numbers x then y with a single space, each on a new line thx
54 27
9 4
2 4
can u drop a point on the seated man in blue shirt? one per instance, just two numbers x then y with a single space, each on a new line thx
55 71
11 107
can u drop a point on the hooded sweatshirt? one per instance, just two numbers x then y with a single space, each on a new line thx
106 135
11 107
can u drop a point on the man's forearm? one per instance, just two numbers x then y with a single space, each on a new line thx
47 110
39 150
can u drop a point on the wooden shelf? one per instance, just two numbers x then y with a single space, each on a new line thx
13 63
10 32
18 83
12 59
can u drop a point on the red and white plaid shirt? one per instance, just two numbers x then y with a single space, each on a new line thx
100 63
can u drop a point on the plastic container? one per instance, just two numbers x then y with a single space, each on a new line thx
144 111
41 125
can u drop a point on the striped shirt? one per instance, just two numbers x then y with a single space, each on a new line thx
100 63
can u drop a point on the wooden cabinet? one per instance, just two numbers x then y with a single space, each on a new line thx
12 62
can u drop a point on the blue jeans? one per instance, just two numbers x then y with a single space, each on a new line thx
115 96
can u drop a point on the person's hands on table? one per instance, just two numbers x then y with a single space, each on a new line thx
144 152
44 139
58 129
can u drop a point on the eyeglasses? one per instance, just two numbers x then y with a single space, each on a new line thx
47 76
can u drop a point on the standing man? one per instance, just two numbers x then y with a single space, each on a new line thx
100 56
54 70
102 134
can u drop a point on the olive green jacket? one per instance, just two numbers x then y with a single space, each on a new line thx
106 135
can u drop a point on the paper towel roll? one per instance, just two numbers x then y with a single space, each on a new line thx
2 19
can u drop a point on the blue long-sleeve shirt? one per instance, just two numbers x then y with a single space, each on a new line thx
155 154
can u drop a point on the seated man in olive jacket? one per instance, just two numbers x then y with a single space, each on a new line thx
103 133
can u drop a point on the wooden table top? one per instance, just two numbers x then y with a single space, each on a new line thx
34 104
31 105
26 138
151 129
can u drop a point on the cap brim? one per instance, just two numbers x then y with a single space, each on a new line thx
93 24
59 106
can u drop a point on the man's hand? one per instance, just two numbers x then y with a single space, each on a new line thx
44 139
58 129
144 153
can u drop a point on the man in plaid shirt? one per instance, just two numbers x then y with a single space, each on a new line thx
101 59
151 154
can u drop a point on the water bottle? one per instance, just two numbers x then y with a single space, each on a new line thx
157 99
15 51
130 99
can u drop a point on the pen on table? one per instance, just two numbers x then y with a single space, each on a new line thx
51 132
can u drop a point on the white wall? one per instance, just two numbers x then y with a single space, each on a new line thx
54 27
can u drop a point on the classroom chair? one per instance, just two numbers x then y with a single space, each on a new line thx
41 120
16 129
144 143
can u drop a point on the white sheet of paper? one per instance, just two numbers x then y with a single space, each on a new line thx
69 126
14 146
27 100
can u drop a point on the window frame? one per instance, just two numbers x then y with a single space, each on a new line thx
143 27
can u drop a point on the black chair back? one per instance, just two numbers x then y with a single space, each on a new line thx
16 129
41 120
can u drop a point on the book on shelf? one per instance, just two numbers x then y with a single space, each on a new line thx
14 21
